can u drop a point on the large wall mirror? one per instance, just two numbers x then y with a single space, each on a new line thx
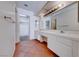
67 18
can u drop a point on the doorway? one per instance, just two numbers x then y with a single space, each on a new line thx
24 27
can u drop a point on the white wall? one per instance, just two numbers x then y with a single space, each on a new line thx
68 16
33 28
7 29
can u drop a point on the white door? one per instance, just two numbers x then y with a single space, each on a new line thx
24 27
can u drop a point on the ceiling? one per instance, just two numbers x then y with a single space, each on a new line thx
34 6
52 4
40 7
49 5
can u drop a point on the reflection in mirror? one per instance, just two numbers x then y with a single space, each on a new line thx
53 23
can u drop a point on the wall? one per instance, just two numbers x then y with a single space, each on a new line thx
7 29
67 18
36 30
32 27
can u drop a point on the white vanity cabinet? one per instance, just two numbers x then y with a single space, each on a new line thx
63 47
62 44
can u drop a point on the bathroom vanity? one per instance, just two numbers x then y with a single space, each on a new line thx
64 44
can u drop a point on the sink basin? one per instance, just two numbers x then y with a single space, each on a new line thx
65 32
61 31
70 32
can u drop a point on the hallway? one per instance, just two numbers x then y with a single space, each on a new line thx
32 48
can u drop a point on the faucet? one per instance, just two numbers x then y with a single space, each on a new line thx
62 27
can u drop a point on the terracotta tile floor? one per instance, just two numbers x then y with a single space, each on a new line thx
32 48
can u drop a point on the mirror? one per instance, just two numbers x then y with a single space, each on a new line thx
67 18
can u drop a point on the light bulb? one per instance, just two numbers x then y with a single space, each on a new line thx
60 5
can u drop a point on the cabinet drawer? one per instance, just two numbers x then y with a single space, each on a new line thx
63 50
65 41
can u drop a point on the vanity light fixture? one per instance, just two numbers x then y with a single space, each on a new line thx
41 14
60 5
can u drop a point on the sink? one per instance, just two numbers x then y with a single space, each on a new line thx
69 32
61 31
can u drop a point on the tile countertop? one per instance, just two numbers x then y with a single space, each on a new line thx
74 35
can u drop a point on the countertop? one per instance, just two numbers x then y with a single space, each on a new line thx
70 34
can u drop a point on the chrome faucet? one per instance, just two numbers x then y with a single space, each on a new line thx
62 27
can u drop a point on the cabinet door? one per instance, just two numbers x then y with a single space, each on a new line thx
52 43
62 49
